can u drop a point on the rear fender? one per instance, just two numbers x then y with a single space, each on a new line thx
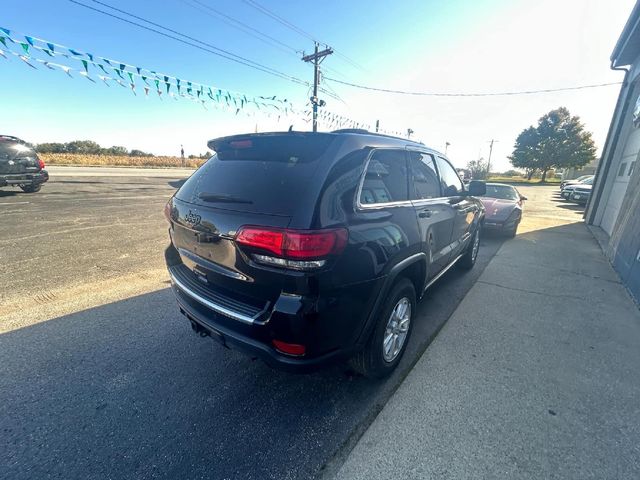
396 271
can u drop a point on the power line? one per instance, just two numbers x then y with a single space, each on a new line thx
483 94
279 19
211 48
295 28
240 25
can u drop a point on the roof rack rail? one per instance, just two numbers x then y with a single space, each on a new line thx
367 132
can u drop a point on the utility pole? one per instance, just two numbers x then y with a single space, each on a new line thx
377 125
316 58
489 161
446 147
409 132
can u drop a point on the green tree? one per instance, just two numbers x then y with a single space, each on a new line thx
51 147
115 150
558 141
478 168
82 146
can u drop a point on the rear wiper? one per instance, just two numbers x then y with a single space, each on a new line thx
216 197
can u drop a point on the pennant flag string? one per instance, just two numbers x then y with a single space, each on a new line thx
228 100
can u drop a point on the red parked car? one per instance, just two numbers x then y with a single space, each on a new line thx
503 204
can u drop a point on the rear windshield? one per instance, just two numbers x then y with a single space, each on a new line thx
257 174
13 149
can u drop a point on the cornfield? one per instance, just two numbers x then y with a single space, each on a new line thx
118 160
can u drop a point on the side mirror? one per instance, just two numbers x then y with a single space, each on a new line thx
523 198
477 188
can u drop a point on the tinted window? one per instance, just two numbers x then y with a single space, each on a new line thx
386 178
451 184
424 179
269 174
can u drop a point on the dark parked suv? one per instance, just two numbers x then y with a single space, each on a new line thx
20 165
307 248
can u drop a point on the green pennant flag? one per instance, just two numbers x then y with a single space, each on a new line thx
25 47
210 94
119 73
178 84
144 79
4 41
157 82
103 69
189 89
85 65
130 76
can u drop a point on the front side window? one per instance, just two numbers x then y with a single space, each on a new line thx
451 184
424 178
386 178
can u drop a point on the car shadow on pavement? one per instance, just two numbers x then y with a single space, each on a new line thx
9 193
128 390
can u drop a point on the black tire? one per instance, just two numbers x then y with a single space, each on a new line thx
468 260
31 188
512 232
371 361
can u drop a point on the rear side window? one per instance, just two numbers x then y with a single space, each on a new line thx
451 184
269 174
386 178
424 179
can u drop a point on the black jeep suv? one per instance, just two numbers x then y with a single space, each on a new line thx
306 248
20 165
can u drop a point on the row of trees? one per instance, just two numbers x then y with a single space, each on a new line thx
88 147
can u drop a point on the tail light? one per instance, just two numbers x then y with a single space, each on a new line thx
293 349
40 164
297 249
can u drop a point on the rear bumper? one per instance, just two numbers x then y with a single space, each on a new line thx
206 323
329 326
24 178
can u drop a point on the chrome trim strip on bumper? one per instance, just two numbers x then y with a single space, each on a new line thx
214 306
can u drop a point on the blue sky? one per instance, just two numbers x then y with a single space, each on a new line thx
465 46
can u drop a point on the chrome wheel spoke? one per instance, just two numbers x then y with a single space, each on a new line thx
396 330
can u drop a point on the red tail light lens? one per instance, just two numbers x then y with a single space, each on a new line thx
289 348
40 164
298 244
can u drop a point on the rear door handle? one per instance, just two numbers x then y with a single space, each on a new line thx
425 213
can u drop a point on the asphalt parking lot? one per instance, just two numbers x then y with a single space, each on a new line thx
116 385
